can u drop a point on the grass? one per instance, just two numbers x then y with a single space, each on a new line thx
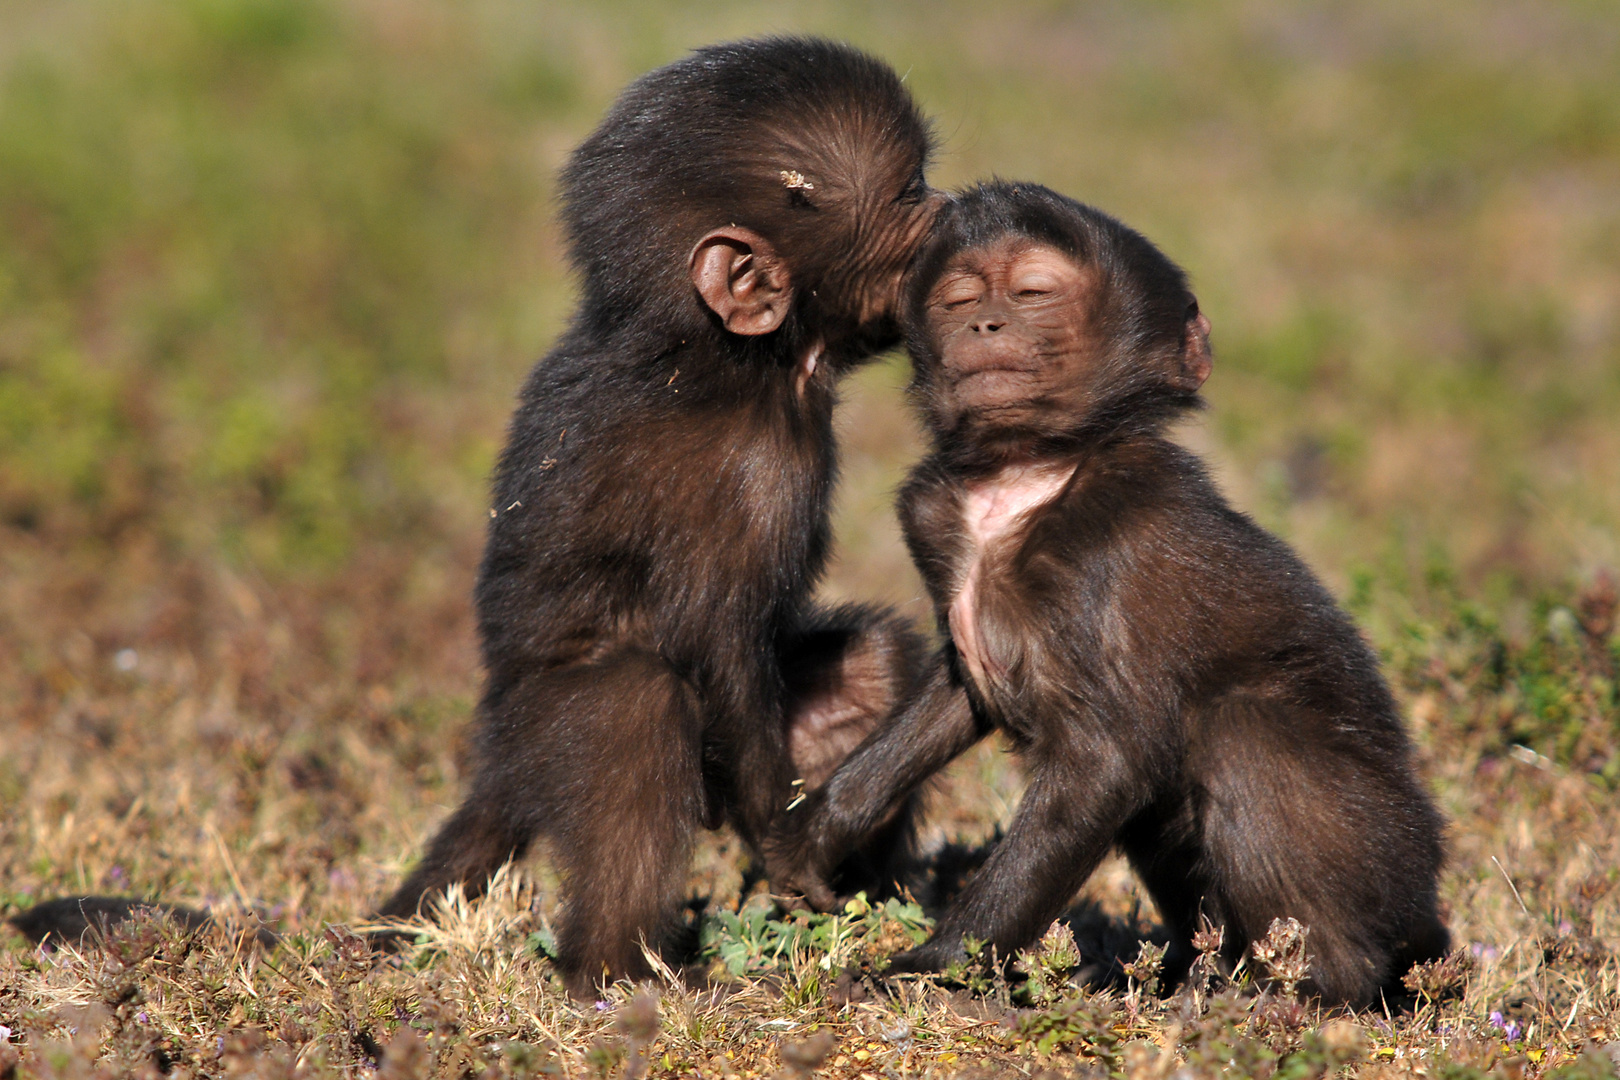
270 274
304 808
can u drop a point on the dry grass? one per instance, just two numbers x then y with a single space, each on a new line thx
238 764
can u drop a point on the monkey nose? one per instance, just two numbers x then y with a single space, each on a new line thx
988 326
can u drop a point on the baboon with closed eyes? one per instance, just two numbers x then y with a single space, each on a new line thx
1176 680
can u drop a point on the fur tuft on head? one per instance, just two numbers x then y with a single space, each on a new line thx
784 136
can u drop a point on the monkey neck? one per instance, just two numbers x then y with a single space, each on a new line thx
1143 412
977 446
725 363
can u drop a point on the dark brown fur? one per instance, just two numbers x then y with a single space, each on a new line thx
740 222
1177 681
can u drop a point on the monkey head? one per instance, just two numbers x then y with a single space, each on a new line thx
754 187
1037 321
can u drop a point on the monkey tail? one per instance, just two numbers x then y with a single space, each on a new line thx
79 920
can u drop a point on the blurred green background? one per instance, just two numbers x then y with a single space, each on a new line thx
271 271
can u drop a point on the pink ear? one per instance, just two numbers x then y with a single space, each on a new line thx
1196 359
741 279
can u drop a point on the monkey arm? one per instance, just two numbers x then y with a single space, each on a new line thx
936 726
1071 812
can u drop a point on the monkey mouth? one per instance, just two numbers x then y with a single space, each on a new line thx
972 359
994 371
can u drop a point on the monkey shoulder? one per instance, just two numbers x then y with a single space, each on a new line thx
1141 500
1146 523
1273 617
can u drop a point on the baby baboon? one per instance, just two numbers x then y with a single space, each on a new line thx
1177 681
740 223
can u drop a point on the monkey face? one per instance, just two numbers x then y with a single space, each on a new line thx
1012 325
893 228
832 245
861 266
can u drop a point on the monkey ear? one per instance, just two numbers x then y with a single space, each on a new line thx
1196 360
741 278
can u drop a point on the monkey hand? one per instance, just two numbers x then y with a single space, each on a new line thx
795 878
797 865
932 955
805 890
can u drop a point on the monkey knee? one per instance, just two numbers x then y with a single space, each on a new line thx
628 757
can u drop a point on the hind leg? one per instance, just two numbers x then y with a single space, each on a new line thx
504 806
846 673
605 758
622 835
1166 852
1294 828
476 840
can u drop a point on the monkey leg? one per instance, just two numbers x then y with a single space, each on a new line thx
507 802
1065 824
605 758
1294 829
476 840
1429 939
846 672
1165 849
622 836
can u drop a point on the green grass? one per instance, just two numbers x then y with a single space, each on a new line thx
271 273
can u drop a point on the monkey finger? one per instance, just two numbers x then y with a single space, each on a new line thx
824 899
791 901
814 894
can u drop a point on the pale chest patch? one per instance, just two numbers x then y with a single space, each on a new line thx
995 514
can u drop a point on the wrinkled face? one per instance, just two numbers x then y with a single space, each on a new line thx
890 216
835 237
1014 326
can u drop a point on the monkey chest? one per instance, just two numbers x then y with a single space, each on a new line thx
991 607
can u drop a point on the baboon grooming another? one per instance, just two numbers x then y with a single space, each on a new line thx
1177 681
740 222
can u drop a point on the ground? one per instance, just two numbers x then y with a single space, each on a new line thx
248 773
